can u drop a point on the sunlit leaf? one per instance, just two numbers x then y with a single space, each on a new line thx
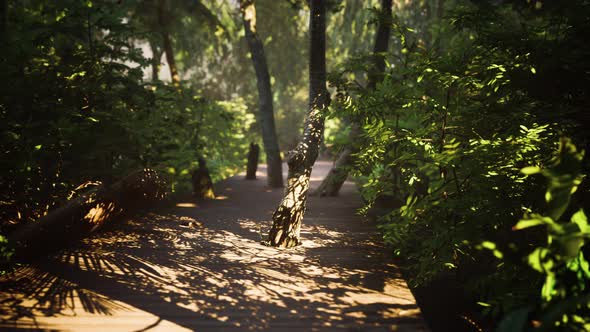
530 170
537 220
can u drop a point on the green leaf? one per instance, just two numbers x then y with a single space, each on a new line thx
488 245
530 170
535 220
548 287
579 218
38 147
538 260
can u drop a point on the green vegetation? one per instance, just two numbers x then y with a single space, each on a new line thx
470 98
470 152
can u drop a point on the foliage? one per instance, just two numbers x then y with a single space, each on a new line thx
456 145
78 109
564 300
462 109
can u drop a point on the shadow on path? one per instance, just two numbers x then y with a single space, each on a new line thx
201 267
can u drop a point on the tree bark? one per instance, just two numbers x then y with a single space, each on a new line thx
336 177
156 56
210 18
287 218
170 59
85 214
163 21
201 180
252 166
265 105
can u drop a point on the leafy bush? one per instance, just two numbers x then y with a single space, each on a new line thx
78 109
563 302
445 137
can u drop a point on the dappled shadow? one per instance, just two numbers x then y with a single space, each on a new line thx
205 269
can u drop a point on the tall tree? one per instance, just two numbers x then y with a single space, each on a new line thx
155 61
332 183
289 214
266 115
164 22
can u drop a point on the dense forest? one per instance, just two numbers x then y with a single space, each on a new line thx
463 123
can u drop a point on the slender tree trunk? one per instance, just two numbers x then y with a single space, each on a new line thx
163 21
170 58
201 180
266 113
156 56
289 214
337 175
381 44
333 182
3 20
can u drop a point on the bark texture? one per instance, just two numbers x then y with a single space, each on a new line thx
265 105
332 183
85 214
287 218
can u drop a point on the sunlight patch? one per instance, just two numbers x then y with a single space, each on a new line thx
187 205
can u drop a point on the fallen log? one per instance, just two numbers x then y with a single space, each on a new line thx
86 213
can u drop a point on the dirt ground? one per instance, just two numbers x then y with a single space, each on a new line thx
201 267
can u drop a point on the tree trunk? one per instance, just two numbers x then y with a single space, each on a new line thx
163 21
253 156
333 182
3 20
156 57
287 218
170 59
85 214
201 180
266 113
337 175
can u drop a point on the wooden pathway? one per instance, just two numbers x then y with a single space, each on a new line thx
200 267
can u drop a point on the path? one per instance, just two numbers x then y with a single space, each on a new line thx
202 268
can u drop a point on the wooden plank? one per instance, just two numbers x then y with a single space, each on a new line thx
201 267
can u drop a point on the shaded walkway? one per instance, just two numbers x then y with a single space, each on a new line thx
202 268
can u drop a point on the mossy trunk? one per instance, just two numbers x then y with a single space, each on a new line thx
287 218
